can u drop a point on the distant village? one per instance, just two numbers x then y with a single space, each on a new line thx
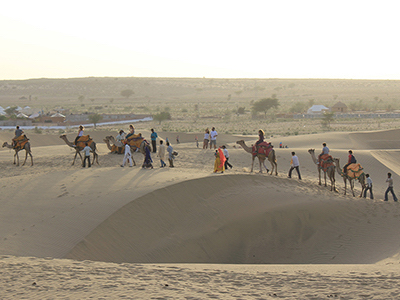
26 116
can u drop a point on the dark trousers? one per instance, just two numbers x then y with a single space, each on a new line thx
84 161
227 163
371 195
154 145
297 169
390 189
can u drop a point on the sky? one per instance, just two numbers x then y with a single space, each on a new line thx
212 39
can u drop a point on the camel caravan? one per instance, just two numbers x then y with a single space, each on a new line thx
262 150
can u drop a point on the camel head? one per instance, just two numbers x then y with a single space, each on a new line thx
63 136
311 151
5 144
241 142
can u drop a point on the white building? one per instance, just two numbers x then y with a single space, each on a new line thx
317 109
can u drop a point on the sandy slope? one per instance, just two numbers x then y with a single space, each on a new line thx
188 214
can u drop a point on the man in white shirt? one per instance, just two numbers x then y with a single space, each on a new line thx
86 150
294 164
226 154
127 156
389 180
213 138
368 186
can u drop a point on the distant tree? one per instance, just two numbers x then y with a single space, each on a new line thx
162 116
263 105
298 107
127 93
2 118
95 118
327 119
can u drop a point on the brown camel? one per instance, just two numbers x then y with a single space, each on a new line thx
361 179
113 145
27 148
330 171
78 149
261 158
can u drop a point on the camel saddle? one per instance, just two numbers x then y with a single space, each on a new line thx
19 142
83 140
118 150
354 171
134 140
326 162
263 148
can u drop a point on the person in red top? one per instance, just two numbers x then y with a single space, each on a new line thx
351 160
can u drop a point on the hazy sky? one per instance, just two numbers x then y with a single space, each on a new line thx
265 39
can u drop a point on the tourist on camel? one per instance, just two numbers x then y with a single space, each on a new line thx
325 150
18 132
80 133
351 160
260 137
131 131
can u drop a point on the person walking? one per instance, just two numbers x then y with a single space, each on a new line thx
389 180
86 150
226 154
127 156
153 138
170 150
213 138
161 154
206 138
294 164
197 141
368 186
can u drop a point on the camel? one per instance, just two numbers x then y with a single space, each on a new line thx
261 158
330 171
27 148
346 178
79 149
110 140
113 145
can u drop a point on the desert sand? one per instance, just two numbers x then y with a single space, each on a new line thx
186 233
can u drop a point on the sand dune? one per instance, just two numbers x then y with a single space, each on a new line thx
190 215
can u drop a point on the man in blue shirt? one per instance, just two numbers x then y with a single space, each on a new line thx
153 137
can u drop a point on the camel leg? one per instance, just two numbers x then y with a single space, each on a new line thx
325 178
345 185
31 158
319 176
352 187
252 164
276 168
15 158
26 156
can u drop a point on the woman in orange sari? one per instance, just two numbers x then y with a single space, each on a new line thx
219 161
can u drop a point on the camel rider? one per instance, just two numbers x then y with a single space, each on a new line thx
131 131
18 132
351 160
325 150
80 133
260 137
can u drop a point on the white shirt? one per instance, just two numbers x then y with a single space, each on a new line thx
127 150
213 135
295 161
87 150
369 181
226 154
206 136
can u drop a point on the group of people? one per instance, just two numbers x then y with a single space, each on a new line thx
351 160
210 138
